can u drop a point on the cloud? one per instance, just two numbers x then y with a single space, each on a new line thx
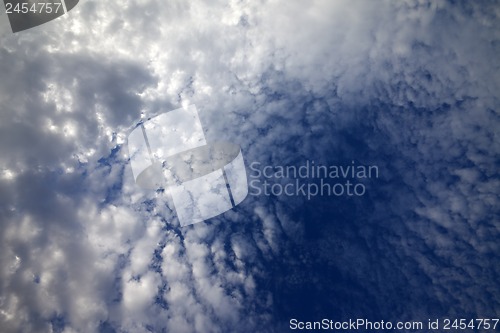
409 86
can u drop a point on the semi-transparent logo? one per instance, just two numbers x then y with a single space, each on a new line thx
169 151
26 14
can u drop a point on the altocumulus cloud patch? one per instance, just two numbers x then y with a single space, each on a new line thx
406 86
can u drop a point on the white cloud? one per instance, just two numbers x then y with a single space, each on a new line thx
283 79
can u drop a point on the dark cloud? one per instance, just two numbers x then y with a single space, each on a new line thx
407 86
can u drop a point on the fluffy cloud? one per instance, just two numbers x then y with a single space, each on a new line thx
409 86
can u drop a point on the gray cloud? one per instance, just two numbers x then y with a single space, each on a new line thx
413 81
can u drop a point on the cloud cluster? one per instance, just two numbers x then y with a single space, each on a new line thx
410 86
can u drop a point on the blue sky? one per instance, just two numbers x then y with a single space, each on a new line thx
409 86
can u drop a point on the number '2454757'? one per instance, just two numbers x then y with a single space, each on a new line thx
41 7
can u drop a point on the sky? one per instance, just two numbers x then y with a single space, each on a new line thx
411 87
